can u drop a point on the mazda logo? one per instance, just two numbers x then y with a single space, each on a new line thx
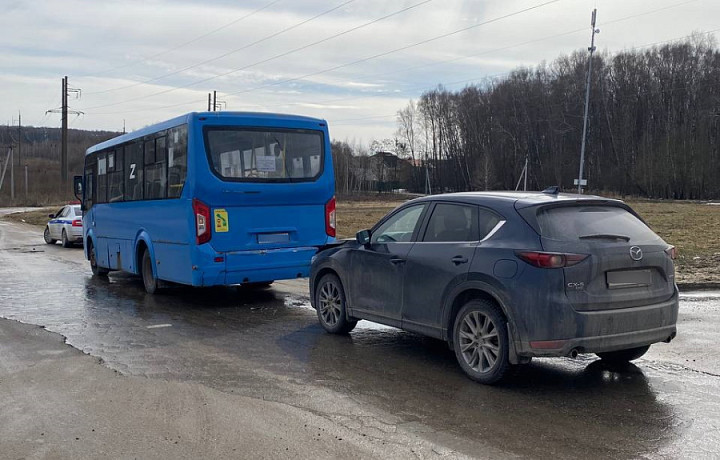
635 253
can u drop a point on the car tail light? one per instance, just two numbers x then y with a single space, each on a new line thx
202 219
330 223
78 223
672 252
551 259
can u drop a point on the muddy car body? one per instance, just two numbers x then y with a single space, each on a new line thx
526 275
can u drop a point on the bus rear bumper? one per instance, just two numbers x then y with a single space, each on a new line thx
258 266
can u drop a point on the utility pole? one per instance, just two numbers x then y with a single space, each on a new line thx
19 137
209 101
66 90
214 101
579 181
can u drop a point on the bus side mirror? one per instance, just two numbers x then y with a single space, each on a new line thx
363 237
77 187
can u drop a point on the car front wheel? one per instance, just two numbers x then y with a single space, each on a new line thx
480 341
331 305
46 236
623 356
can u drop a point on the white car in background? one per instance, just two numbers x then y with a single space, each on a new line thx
66 226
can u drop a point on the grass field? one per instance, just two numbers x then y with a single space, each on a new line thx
694 228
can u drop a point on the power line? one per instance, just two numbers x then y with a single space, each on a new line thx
358 61
181 45
236 50
287 53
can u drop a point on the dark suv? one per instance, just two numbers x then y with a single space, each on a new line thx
506 276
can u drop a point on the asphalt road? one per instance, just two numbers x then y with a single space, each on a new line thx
218 373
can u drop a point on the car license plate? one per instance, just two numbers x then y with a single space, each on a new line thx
628 278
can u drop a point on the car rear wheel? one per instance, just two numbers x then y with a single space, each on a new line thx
46 236
96 271
480 341
623 356
331 305
149 280
65 242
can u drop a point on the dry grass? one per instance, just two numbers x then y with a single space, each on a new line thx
694 228
37 217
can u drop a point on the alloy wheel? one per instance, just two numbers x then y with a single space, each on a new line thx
479 341
330 303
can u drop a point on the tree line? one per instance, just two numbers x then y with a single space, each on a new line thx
654 126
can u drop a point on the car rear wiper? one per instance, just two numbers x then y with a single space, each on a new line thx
605 236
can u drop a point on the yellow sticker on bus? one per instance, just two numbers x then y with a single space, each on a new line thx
221 221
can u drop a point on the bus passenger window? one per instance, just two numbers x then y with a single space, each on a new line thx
177 161
133 172
155 178
101 196
116 177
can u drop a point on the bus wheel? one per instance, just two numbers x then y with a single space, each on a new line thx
96 271
149 280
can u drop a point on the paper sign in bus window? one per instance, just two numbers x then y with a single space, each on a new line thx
221 221
266 163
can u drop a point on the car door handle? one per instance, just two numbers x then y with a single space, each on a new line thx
457 260
397 261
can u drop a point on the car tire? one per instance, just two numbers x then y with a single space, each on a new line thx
623 356
480 341
46 236
65 242
96 270
149 280
331 305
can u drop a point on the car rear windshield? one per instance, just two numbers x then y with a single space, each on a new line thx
608 223
78 211
265 155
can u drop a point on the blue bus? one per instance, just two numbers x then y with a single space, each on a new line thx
207 199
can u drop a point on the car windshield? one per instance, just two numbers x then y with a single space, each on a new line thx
254 155
608 223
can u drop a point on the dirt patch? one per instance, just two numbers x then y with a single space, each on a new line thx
37 217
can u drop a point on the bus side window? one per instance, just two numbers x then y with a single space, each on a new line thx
155 174
115 176
133 171
101 196
89 190
177 161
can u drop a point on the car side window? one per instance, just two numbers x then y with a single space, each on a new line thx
61 213
488 220
400 227
452 223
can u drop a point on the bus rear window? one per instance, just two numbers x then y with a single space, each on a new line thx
254 155
572 223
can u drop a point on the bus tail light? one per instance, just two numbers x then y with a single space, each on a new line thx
202 219
77 223
330 223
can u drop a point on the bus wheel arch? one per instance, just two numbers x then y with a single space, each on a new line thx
145 264
91 254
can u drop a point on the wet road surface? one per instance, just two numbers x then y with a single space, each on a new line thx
380 382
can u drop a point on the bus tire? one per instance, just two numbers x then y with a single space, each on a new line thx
149 280
96 271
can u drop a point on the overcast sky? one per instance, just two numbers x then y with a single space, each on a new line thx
352 62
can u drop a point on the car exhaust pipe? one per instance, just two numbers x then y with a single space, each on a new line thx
573 353
672 336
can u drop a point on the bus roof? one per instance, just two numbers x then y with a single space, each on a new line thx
250 117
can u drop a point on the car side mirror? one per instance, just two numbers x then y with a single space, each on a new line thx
52 216
78 187
363 237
